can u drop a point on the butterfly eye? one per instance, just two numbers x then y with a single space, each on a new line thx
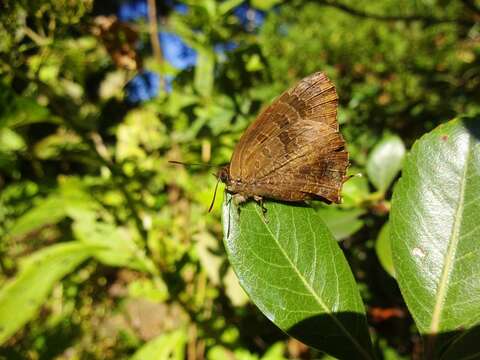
223 175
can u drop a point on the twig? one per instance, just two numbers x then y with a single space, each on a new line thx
36 38
406 18
154 40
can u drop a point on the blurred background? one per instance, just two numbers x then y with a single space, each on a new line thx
107 251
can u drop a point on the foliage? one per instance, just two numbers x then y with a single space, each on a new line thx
108 251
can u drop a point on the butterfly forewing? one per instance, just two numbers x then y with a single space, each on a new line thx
293 151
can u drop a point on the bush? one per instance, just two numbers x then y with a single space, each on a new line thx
108 250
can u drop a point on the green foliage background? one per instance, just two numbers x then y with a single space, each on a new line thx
116 244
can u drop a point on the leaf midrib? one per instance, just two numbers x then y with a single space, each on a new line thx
451 252
312 291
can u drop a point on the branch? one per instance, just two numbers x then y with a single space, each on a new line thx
154 40
406 18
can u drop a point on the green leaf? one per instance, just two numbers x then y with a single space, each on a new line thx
342 223
22 296
228 5
23 111
354 192
385 161
71 199
384 249
294 271
46 212
204 72
435 232
52 146
265 5
10 141
115 245
167 346
275 352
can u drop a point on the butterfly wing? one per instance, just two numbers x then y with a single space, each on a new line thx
294 151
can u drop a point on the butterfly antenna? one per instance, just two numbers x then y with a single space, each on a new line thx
192 164
214 196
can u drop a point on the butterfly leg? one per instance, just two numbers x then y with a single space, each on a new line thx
260 201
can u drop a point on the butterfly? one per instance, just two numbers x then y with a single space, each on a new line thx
293 151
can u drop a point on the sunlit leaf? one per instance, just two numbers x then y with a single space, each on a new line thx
385 161
169 346
204 72
115 245
46 212
22 296
354 191
294 271
342 223
52 146
265 4
435 232
225 6
10 140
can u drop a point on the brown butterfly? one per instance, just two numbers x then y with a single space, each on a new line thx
293 151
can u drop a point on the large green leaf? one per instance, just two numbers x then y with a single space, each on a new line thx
294 271
385 161
22 296
435 232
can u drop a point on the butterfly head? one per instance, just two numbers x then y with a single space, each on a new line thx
224 174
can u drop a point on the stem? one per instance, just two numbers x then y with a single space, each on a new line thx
37 39
154 40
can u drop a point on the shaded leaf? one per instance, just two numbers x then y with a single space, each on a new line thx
294 271
384 249
435 233
385 161
169 346
22 296
464 346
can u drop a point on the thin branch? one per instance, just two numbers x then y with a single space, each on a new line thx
406 18
154 40
36 38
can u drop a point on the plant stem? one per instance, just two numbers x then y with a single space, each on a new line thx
154 40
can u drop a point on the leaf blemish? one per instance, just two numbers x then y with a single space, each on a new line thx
417 252
444 137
